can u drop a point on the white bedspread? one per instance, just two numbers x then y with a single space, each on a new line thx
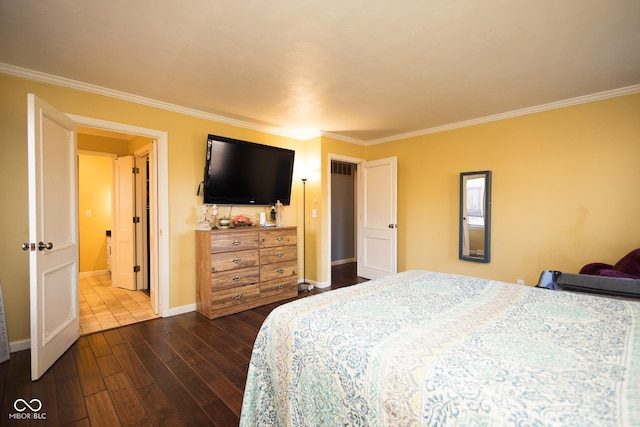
429 349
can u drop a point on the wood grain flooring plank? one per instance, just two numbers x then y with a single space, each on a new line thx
88 371
171 387
225 341
45 390
101 410
99 344
113 337
108 365
130 410
131 335
161 348
65 367
132 366
70 401
160 409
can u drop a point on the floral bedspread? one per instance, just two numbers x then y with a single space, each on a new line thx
429 349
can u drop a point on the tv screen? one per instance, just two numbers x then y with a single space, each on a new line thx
245 173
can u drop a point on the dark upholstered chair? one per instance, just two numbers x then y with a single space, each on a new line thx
627 267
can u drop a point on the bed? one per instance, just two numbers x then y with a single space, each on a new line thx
430 349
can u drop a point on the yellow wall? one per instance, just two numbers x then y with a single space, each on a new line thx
565 190
101 144
94 206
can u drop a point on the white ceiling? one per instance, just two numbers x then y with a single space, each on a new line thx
360 70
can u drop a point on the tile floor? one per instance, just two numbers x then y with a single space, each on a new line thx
103 306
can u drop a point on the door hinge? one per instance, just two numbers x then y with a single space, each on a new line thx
136 268
136 219
136 170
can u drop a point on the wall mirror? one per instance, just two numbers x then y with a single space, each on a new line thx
475 216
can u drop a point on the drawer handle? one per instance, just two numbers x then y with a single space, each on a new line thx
237 296
279 239
279 254
237 260
236 279
280 286
280 271
235 242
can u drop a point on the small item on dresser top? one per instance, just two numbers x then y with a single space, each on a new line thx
204 221
279 214
214 216
242 221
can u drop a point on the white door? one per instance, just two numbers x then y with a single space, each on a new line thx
123 237
53 234
145 237
377 234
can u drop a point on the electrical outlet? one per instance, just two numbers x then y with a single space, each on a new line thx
520 282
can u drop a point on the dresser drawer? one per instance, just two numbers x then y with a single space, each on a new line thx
233 296
234 241
287 285
279 270
278 254
232 278
231 260
278 237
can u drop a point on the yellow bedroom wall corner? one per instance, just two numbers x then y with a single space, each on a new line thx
564 190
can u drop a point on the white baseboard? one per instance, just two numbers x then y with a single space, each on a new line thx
19 345
180 310
342 261
93 273
322 284
317 284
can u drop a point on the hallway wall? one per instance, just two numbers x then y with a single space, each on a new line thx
95 179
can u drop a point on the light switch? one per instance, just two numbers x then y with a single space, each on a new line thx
314 213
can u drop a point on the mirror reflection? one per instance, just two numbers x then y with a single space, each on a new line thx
475 216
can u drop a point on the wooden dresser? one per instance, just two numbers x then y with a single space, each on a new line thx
242 268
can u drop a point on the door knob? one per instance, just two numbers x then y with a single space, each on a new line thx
42 246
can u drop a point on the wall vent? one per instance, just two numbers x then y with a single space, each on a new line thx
341 168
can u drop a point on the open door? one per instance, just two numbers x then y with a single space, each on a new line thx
377 235
124 237
53 234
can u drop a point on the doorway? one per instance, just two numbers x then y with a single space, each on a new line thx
343 212
375 215
103 302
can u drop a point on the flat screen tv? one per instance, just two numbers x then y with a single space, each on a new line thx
245 173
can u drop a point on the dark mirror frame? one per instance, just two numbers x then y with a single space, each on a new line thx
486 256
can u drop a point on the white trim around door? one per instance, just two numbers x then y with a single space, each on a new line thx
160 205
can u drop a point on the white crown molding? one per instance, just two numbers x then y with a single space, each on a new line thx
99 90
344 138
303 135
516 113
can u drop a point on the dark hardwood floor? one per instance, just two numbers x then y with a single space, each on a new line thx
183 370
